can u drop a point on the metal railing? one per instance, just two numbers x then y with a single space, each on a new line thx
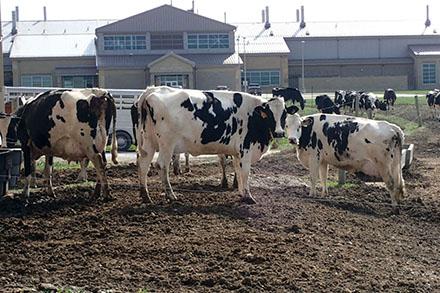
124 98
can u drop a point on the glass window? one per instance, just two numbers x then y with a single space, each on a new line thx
429 73
208 41
263 77
125 42
36 80
80 81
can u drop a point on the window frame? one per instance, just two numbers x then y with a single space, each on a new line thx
206 41
33 80
271 77
125 42
429 74
86 80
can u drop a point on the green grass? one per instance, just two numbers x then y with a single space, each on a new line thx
408 127
282 144
58 165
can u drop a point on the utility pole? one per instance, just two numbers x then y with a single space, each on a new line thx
302 67
2 77
244 66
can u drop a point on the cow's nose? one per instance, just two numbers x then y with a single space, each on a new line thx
279 134
293 140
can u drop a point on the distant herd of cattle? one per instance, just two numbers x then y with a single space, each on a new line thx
75 125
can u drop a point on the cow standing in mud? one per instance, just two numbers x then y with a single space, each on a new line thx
349 143
214 122
71 124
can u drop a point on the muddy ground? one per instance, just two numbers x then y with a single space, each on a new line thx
348 241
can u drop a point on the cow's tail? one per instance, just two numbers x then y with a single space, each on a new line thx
114 150
396 145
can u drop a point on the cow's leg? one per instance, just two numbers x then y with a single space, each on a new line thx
176 164
82 176
48 169
323 173
163 160
28 169
33 178
101 184
314 173
224 183
144 159
187 169
243 169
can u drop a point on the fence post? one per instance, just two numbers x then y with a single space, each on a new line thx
356 105
342 177
419 118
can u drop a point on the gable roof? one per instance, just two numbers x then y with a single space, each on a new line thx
172 54
166 18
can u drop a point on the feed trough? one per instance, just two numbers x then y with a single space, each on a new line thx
407 155
10 160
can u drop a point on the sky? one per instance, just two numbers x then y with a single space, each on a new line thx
236 10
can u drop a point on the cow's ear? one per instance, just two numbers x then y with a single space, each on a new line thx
261 111
306 122
96 102
292 110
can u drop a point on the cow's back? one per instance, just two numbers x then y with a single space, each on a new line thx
200 122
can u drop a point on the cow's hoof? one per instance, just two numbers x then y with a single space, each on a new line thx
50 193
396 211
248 200
235 183
177 172
171 196
108 198
187 170
97 191
224 184
145 196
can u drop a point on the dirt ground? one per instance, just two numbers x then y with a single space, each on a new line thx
348 241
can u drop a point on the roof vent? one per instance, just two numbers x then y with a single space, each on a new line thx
44 13
303 23
267 23
17 13
263 20
14 23
427 22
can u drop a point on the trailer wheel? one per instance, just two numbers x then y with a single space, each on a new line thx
124 140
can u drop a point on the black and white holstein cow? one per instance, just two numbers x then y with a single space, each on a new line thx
325 105
390 97
290 95
71 124
215 122
367 103
349 143
433 100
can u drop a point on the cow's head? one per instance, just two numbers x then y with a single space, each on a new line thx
294 125
273 114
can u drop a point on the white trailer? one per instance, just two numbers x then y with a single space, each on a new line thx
124 100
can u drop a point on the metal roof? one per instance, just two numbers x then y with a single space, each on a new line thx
142 61
425 50
166 18
49 27
41 46
260 40
340 29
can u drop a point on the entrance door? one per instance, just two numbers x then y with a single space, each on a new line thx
172 80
